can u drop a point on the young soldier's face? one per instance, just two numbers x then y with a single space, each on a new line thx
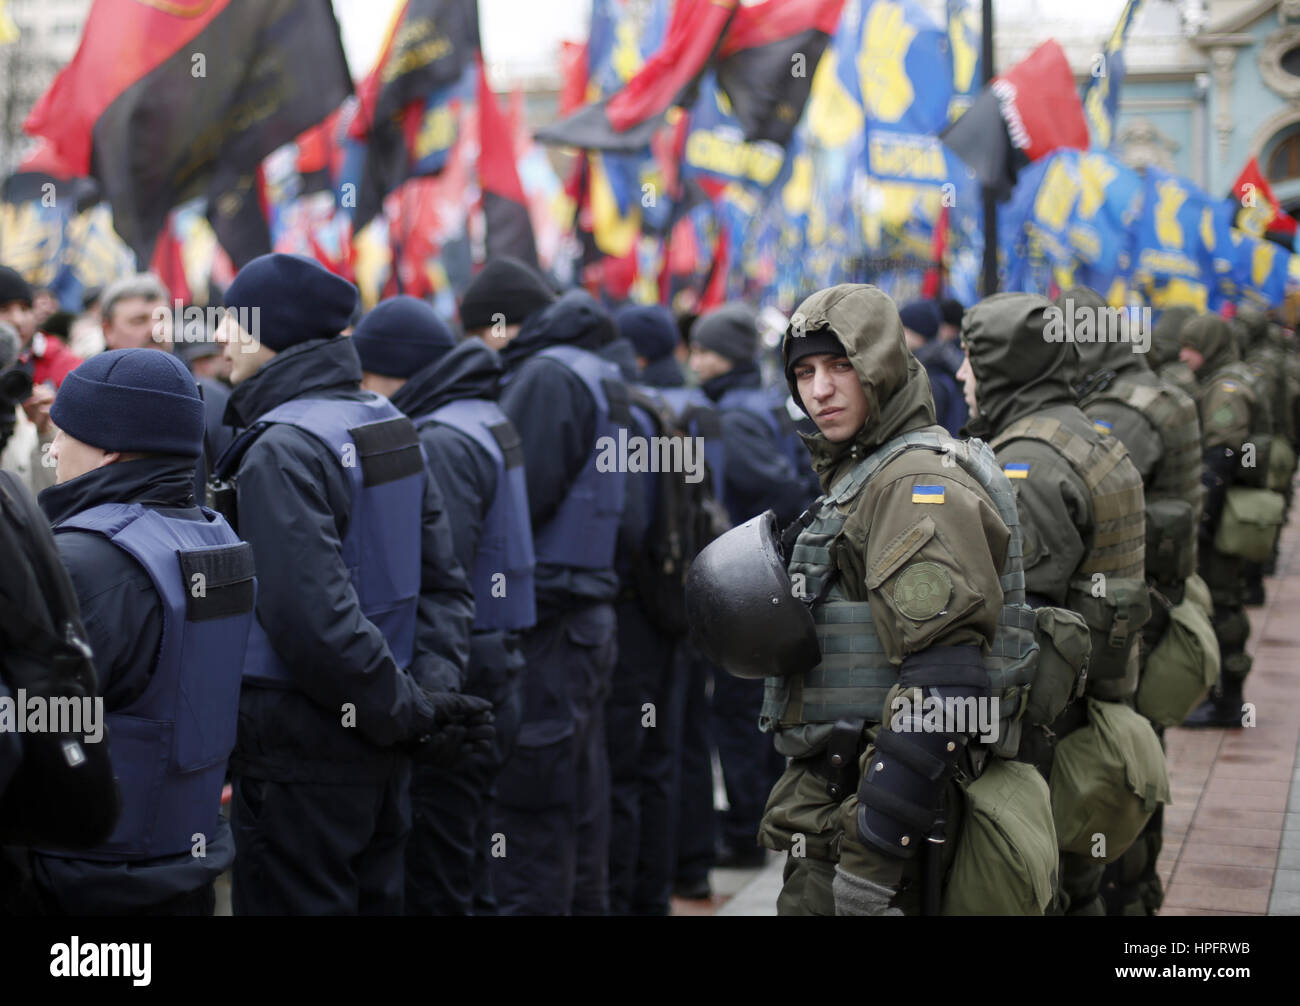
967 377
831 392
1192 358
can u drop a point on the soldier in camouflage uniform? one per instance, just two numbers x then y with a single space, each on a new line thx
1081 507
1232 418
1166 345
1158 424
906 566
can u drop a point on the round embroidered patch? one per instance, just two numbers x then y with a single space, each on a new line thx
1222 416
922 590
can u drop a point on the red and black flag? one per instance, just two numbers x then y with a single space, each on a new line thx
1022 115
766 62
764 54
505 209
159 95
1259 213
429 45
237 213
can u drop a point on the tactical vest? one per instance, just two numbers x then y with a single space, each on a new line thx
699 418
1178 474
1117 551
583 532
170 745
505 544
379 452
855 674
1118 544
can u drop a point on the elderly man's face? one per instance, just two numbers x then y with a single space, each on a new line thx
138 323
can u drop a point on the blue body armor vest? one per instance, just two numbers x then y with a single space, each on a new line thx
583 532
380 453
169 747
701 419
505 542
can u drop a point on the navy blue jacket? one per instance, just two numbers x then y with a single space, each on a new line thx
463 471
123 617
942 360
294 503
556 418
642 487
759 476
664 372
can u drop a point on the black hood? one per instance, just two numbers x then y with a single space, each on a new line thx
573 320
1018 371
471 370
301 371
166 480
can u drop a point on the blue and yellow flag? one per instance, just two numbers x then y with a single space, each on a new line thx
1101 96
904 84
964 42
1172 264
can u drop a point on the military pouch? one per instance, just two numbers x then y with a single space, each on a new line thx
1197 591
1253 462
1182 667
1281 465
1108 777
1248 526
1115 609
1064 645
1171 536
1005 862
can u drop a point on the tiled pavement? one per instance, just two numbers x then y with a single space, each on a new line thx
1232 833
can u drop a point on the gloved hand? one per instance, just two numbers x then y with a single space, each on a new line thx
856 895
459 727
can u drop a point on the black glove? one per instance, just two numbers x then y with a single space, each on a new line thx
459 727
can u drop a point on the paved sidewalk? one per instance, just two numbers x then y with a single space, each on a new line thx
1232 833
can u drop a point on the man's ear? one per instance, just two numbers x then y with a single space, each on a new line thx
109 458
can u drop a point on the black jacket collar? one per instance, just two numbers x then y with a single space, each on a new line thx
301 371
163 480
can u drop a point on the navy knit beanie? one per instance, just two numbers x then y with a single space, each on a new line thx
400 336
507 287
132 400
649 328
922 317
730 331
290 299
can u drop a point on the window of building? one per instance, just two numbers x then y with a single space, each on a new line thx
1284 162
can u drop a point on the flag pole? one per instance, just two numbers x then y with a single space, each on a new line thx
989 284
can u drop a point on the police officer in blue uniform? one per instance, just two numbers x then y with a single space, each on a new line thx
450 392
553 794
643 711
361 638
166 591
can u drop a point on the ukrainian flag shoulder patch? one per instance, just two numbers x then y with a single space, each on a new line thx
1102 427
1016 470
927 494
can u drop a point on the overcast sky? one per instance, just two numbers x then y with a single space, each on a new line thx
525 34
522 32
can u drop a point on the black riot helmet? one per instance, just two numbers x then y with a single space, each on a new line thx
741 606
